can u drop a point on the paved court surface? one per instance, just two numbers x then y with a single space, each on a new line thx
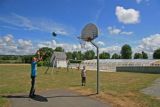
154 89
56 98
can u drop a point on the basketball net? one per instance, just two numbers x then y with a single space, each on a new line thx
83 44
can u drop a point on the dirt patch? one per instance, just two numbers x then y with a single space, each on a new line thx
112 99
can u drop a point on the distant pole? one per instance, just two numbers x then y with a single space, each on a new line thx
97 66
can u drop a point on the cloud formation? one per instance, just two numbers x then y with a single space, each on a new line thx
24 44
127 16
149 44
53 44
11 46
8 39
44 25
117 31
100 43
139 1
111 49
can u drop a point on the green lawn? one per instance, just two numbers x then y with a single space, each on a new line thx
120 89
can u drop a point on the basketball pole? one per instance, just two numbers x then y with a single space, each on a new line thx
97 66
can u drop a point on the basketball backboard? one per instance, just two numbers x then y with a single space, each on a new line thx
89 32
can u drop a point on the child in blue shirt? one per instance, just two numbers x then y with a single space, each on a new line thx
34 74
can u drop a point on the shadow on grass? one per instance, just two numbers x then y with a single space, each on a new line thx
36 97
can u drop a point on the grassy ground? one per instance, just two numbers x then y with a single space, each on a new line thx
120 89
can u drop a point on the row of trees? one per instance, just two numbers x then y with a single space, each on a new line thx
126 53
28 58
15 58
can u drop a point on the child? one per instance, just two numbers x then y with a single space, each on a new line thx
83 75
34 74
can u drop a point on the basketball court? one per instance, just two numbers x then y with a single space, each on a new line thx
56 98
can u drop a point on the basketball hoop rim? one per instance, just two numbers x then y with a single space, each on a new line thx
85 39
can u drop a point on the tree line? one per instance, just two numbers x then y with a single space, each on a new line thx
125 53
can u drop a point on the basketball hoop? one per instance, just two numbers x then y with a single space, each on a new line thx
88 34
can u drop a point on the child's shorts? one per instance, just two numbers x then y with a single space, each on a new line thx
83 79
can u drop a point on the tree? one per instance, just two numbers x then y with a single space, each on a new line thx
138 56
69 55
126 52
104 55
144 55
74 55
80 55
27 58
90 54
77 55
116 56
59 49
46 53
156 54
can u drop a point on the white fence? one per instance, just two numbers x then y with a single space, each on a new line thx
110 65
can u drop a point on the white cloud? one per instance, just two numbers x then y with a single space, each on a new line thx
114 31
53 44
100 43
10 46
126 33
149 44
139 1
18 21
24 44
48 25
117 31
111 49
24 47
8 39
127 16
45 25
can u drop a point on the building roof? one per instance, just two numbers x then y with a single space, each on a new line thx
126 62
59 56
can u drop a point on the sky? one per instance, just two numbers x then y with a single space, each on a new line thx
27 25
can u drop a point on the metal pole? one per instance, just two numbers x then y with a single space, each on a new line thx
97 66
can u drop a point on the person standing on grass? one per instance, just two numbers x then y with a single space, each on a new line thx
34 73
83 76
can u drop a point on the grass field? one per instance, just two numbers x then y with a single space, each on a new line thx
121 89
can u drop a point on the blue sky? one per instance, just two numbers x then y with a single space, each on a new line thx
26 25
